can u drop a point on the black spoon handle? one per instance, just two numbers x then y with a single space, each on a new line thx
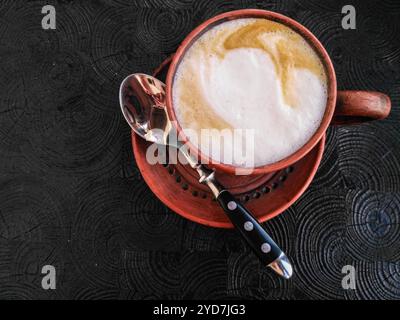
252 231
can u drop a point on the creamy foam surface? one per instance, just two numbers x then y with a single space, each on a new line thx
251 74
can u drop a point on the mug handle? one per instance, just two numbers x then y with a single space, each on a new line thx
354 107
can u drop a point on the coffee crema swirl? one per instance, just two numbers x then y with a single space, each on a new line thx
289 51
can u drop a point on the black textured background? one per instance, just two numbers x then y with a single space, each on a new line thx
71 195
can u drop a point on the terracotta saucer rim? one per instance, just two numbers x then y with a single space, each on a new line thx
227 225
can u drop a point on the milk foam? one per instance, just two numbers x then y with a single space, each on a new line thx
281 97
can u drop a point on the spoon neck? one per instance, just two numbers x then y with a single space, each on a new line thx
206 175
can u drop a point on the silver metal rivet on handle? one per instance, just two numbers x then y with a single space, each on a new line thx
232 205
248 226
265 247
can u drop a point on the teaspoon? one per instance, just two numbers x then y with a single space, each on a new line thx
142 101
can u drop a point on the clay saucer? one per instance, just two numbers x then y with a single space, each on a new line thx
265 196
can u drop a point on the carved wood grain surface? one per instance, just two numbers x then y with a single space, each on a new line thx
71 195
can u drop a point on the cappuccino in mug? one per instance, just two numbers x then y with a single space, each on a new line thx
250 75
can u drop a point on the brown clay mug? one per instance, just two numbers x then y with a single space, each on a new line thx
343 107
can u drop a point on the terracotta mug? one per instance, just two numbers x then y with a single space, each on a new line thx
343 107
